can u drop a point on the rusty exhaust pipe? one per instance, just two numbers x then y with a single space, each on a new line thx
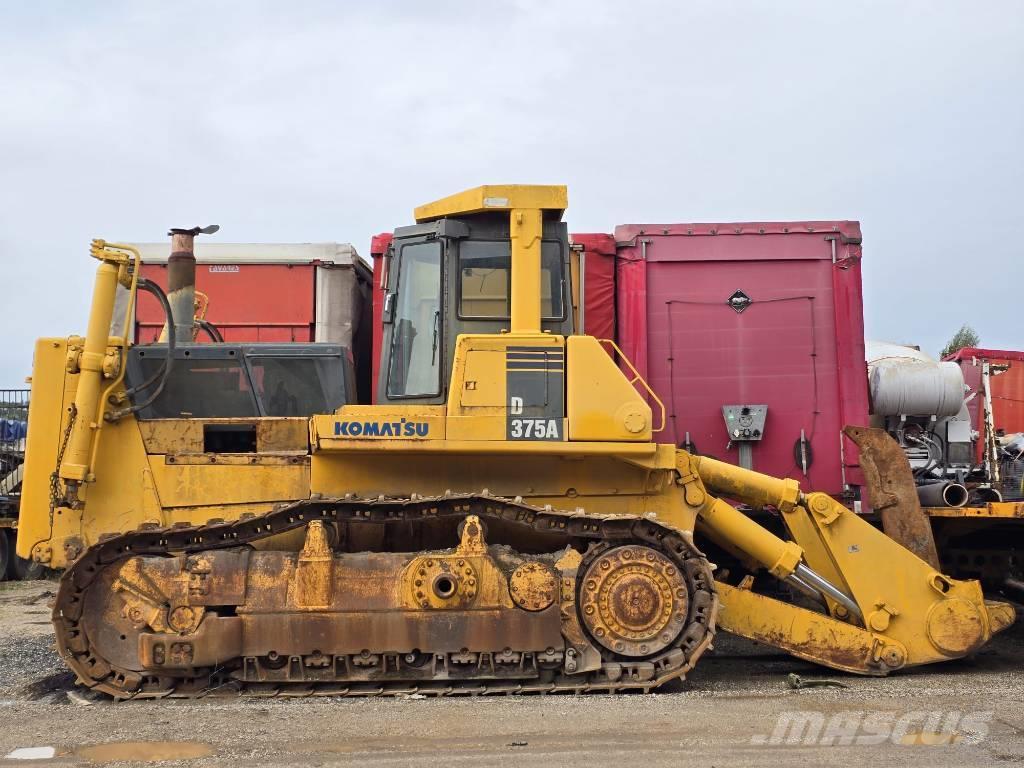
942 494
181 281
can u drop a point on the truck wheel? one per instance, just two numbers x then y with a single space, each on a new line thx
17 568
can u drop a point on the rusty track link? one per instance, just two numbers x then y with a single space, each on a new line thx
605 531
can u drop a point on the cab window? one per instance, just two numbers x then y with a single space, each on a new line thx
485 280
295 386
198 388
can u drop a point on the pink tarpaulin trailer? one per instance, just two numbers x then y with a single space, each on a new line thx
744 315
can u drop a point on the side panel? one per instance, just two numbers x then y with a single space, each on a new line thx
197 485
47 421
599 484
337 305
602 404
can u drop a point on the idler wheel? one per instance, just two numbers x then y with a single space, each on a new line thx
633 600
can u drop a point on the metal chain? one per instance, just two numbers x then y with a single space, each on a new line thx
55 489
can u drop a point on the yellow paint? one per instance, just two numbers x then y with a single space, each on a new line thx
905 601
273 434
172 435
477 403
599 483
541 448
366 425
601 403
751 487
999 509
75 466
483 382
51 387
526 228
496 197
282 435
99 360
807 634
195 485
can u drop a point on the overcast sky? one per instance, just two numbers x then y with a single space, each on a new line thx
308 121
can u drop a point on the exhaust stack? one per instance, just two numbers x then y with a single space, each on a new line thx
181 281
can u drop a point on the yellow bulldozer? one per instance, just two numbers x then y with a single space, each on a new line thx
503 520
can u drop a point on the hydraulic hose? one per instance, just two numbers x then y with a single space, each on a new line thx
162 373
212 331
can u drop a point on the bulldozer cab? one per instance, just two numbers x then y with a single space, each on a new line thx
452 276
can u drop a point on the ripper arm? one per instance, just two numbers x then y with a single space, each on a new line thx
887 608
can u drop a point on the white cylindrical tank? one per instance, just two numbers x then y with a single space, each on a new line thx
906 382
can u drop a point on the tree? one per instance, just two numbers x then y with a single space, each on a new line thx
965 337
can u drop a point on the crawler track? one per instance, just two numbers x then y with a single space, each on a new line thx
596 535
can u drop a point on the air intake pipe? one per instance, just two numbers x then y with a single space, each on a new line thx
942 494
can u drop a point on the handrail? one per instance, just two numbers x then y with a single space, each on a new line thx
638 377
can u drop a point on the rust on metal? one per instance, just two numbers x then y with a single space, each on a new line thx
314 570
282 434
634 600
807 634
892 492
534 586
220 617
1008 510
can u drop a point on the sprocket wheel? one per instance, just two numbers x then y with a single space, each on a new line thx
634 600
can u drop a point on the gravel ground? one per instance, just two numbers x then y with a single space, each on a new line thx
724 715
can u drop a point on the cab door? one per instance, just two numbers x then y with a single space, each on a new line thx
413 340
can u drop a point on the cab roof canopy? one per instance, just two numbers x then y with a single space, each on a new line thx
496 197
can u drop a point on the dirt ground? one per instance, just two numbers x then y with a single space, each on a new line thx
965 713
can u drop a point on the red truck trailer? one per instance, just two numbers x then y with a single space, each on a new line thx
762 316
273 292
1006 382
995 378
